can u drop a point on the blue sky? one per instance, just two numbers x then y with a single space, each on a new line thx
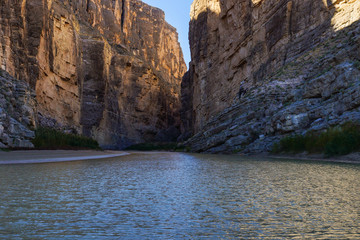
177 13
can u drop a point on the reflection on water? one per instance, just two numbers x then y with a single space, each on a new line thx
180 196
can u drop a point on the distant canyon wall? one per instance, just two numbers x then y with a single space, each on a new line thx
106 69
262 69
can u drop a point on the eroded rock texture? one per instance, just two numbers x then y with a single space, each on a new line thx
17 112
262 69
107 69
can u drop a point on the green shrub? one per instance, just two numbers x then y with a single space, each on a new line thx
157 146
339 140
357 64
5 150
343 140
47 138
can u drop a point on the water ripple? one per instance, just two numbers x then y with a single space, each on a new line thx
180 196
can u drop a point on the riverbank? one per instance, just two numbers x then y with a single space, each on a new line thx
353 158
47 156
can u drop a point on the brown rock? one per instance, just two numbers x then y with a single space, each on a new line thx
251 61
108 69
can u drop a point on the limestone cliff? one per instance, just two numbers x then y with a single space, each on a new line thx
17 112
262 69
107 69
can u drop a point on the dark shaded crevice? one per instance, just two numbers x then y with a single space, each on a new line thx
290 33
329 3
122 15
87 5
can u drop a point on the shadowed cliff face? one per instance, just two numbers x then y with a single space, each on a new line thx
107 69
17 112
239 52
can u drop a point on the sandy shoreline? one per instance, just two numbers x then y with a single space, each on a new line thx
47 156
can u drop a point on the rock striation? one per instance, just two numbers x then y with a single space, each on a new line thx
264 69
110 70
17 112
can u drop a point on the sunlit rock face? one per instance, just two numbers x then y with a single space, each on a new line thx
107 69
254 64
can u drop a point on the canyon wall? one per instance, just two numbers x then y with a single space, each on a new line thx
263 69
110 70
17 112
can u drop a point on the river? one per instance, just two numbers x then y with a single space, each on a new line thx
180 196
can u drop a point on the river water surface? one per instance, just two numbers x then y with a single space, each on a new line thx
180 196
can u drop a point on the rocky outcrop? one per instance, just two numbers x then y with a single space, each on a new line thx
17 113
110 70
264 69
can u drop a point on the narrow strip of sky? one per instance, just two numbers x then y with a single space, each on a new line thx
177 13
